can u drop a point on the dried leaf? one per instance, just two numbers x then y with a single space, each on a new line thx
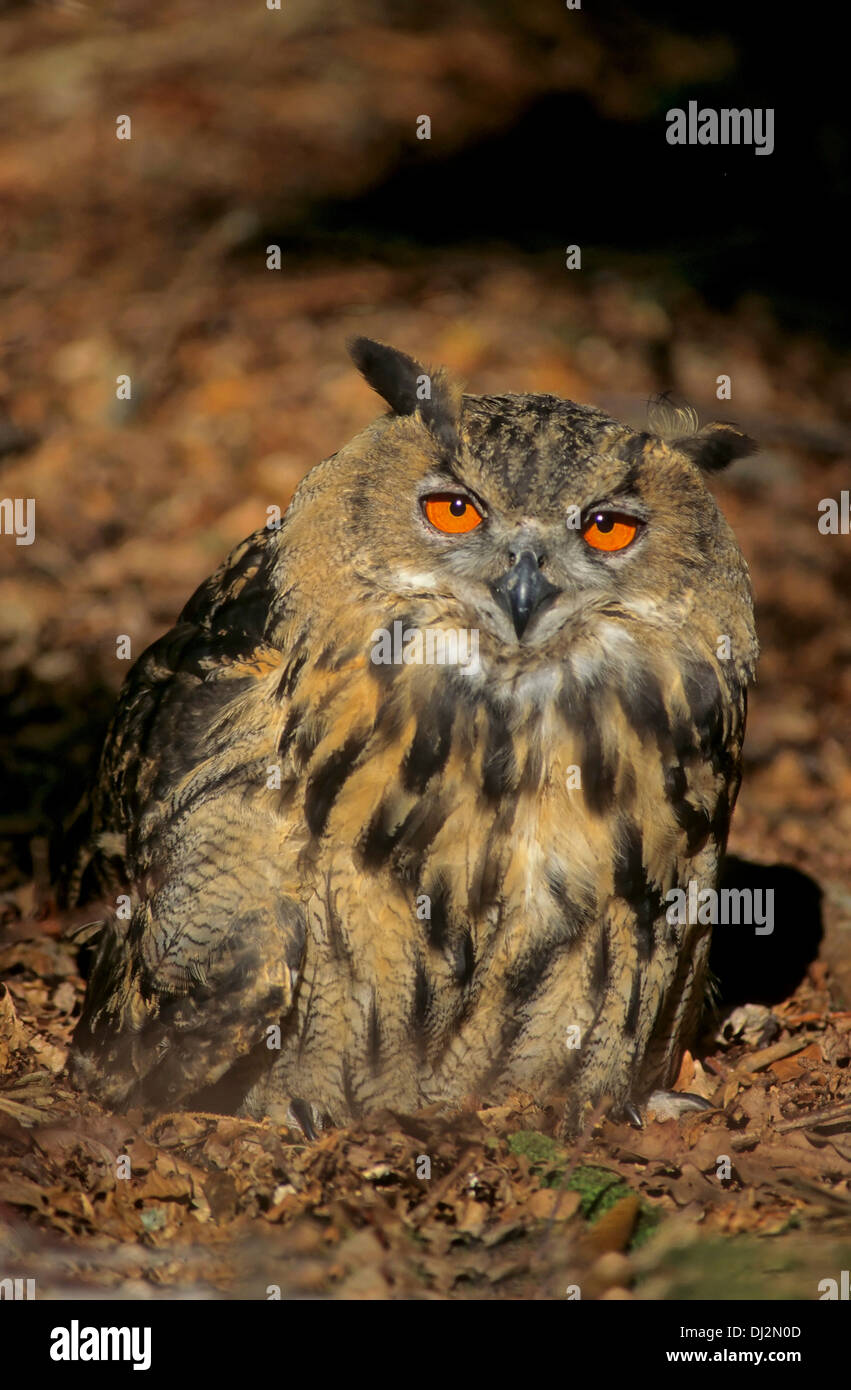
613 1230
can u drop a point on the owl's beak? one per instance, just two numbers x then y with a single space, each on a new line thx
523 590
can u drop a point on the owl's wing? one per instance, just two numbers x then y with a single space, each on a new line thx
203 951
702 774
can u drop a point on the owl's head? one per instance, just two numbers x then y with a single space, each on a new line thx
543 525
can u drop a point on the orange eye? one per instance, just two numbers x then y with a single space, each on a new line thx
608 531
452 513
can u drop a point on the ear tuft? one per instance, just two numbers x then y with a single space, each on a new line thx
716 445
670 418
711 448
407 387
391 373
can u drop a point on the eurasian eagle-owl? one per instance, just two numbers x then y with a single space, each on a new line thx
398 802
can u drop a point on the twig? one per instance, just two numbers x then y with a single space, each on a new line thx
818 1117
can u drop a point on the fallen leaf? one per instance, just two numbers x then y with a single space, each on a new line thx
613 1230
787 1068
553 1204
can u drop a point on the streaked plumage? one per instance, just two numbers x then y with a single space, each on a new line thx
421 897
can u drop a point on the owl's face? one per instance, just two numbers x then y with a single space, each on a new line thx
544 526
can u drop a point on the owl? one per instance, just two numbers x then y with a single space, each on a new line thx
396 810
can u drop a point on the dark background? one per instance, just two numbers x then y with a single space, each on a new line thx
728 221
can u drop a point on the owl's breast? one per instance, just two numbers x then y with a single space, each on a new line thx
488 875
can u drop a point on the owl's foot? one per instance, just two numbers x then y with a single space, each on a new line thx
290 1111
311 1119
672 1105
629 1111
660 1105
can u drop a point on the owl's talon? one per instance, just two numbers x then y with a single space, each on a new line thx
306 1117
672 1105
